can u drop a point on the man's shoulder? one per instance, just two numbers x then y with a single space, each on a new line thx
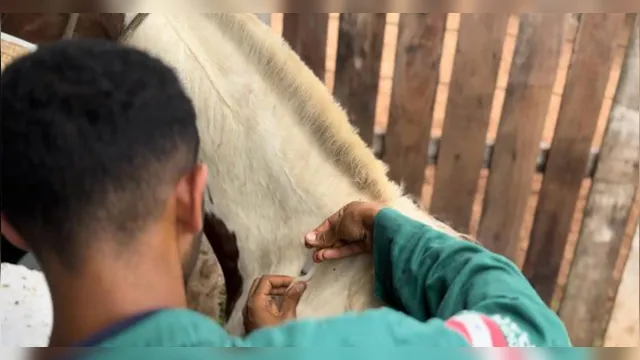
148 352
170 328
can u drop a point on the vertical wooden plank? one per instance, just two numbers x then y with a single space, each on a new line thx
624 327
306 33
475 69
360 41
569 153
585 309
533 73
413 93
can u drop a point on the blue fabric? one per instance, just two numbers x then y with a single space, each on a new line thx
115 329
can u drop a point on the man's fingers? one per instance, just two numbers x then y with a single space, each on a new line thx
254 284
277 291
319 229
326 234
320 240
291 298
318 237
339 253
268 283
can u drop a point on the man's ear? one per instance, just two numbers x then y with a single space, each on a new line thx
11 234
190 196
200 174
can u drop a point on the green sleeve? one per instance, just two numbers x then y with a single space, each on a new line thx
429 274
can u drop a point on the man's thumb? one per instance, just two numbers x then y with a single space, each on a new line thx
291 299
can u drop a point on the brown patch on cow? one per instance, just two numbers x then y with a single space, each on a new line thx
43 28
225 245
205 287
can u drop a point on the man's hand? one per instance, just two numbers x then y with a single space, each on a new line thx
262 308
346 233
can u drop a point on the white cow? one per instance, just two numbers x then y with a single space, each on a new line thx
281 152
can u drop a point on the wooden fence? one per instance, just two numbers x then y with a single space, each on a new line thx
597 186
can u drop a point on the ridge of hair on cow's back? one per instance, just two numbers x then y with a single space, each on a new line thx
315 106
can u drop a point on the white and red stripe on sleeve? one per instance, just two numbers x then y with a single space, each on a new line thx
478 329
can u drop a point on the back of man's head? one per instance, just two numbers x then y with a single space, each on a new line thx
94 135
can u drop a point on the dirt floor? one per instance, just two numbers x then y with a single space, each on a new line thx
446 67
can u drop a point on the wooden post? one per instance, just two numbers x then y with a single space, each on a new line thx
569 153
413 93
533 73
265 18
360 41
306 33
473 82
624 327
72 22
585 309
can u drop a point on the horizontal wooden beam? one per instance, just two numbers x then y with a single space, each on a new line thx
378 146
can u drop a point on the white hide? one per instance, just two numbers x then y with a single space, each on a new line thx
282 155
25 307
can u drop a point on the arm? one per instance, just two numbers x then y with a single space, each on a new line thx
449 292
427 273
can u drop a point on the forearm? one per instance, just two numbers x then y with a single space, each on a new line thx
427 273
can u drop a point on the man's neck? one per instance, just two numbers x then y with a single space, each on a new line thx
106 294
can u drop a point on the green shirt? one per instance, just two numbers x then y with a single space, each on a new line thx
441 291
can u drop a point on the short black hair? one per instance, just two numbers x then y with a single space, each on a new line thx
93 133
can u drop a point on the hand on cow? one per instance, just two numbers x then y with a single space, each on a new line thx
262 308
346 233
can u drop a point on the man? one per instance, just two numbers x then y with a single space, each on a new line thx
101 183
100 180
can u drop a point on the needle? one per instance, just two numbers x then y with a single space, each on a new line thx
307 271
308 265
